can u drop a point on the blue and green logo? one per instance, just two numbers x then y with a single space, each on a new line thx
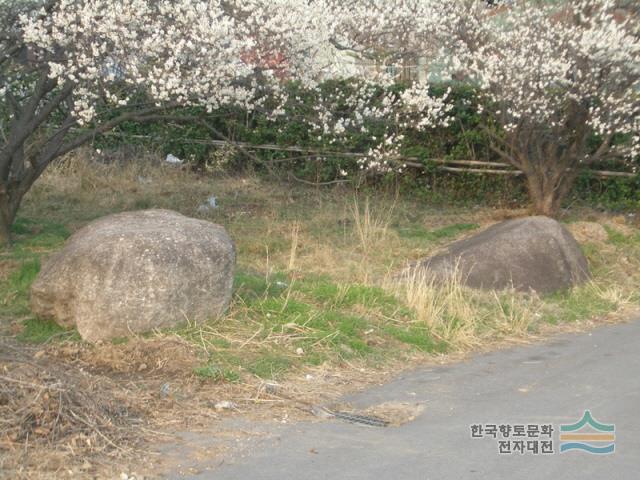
588 435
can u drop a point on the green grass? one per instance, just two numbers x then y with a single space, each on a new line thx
269 366
32 238
14 290
21 279
322 319
445 233
580 303
250 287
419 338
216 374
38 228
325 311
332 295
343 332
40 331
619 239
282 309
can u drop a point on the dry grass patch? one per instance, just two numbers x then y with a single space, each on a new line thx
464 318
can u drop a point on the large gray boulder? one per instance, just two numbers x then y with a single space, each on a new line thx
134 272
533 253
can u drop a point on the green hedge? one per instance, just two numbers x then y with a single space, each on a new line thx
463 139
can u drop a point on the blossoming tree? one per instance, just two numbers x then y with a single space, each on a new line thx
559 80
62 61
72 69
563 82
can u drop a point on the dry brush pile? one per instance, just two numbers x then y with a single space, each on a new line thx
61 411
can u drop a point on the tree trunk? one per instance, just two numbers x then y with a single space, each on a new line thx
548 189
5 234
10 199
544 202
6 220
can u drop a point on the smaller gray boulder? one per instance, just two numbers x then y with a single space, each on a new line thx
135 272
533 253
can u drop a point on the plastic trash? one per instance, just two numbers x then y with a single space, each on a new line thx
225 405
173 160
165 390
210 204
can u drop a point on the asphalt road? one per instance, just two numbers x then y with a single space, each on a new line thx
551 383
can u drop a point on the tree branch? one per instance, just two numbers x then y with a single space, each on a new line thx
505 155
25 123
602 150
213 130
149 114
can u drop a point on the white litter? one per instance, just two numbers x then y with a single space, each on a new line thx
225 405
173 160
210 204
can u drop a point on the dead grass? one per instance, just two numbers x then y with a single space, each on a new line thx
462 317
316 309
162 356
63 414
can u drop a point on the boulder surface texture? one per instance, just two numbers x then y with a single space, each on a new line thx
532 253
135 272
